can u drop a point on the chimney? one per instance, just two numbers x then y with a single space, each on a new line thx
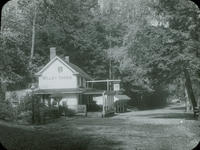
52 52
67 58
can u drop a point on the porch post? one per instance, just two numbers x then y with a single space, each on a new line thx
103 111
41 113
33 110
107 85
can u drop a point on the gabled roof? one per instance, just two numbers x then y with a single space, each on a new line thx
79 70
75 69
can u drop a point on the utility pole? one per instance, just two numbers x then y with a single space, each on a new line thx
110 63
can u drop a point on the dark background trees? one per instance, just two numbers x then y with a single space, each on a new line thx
146 44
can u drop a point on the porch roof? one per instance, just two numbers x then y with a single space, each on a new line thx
58 91
97 92
86 91
93 92
122 97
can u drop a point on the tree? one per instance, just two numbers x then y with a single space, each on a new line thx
146 44
160 46
183 17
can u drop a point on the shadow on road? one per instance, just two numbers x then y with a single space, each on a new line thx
175 116
141 108
178 108
172 112
186 116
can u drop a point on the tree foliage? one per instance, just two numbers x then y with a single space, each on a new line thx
149 43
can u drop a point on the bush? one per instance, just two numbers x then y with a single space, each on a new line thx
31 110
66 111
41 114
69 112
7 112
25 116
24 108
26 103
50 112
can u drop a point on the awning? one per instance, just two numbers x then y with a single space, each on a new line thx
97 92
93 92
121 97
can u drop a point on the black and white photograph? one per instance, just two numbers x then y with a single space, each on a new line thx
100 75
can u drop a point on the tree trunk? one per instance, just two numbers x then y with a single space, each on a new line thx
33 35
33 111
199 109
38 112
187 101
3 89
189 89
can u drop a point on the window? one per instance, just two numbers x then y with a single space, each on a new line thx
60 69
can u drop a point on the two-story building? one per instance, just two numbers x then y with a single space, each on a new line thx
62 82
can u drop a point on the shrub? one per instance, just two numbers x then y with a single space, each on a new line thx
66 111
7 112
31 110
25 116
51 112
69 112
24 109
26 103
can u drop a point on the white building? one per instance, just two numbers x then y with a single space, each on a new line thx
62 82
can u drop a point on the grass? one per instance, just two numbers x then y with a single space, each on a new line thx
22 139
152 129
60 135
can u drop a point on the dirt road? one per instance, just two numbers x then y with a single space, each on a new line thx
160 129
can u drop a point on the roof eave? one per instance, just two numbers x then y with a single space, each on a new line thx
87 77
37 74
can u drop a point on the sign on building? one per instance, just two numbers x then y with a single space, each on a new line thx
116 86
